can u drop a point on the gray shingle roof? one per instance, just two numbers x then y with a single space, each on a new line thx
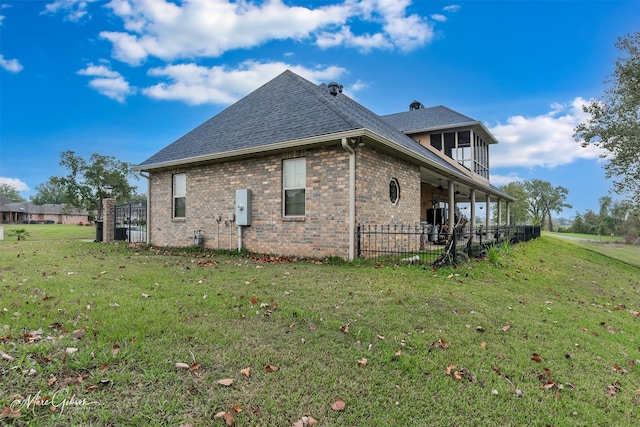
427 118
287 108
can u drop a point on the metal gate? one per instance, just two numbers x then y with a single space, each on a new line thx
131 222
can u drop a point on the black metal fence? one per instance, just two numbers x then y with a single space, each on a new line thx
131 222
424 244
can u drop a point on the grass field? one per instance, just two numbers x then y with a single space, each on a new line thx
110 335
50 231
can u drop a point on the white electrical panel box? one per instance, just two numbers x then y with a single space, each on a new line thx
243 207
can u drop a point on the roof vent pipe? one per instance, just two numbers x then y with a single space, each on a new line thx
415 105
335 88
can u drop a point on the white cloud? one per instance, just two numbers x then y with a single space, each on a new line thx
74 10
209 28
499 180
545 140
439 17
11 65
15 183
107 82
196 84
451 8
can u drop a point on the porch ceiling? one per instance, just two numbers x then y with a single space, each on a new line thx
435 178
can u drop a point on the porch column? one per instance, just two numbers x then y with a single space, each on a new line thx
508 213
452 207
472 195
487 220
499 217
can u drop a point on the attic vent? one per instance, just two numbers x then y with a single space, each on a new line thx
415 105
335 88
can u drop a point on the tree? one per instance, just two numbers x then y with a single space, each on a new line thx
519 210
85 185
11 193
614 121
544 199
52 192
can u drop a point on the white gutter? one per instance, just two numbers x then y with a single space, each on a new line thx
352 197
147 177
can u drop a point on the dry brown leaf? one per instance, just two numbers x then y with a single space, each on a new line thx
7 412
483 345
458 375
362 362
6 356
450 369
78 334
338 405
194 367
246 372
253 300
536 358
237 408
344 329
270 368
506 327
226 382
115 349
180 365
51 381
104 367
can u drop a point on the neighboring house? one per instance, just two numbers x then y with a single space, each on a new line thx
316 164
28 213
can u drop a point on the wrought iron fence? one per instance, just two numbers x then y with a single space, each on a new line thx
424 244
131 222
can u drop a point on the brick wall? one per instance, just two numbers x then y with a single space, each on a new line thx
324 231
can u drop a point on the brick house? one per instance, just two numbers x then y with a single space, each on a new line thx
315 164
28 213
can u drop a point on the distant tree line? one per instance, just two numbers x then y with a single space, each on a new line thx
85 184
618 218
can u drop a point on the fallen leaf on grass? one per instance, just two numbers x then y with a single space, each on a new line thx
6 356
306 421
226 416
180 365
338 405
71 350
225 382
104 367
7 412
344 329
536 358
194 367
483 345
506 327
246 372
115 349
362 362
270 368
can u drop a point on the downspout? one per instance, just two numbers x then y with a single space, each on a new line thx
352 197
148 178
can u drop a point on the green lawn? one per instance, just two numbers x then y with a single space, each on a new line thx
547 339
51 231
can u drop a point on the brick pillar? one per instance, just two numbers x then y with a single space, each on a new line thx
109 217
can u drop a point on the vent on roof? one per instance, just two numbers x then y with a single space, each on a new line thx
415 105
335 88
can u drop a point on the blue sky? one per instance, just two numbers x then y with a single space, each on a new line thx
127 77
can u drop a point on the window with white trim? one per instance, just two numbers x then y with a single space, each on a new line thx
179 195
294 183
